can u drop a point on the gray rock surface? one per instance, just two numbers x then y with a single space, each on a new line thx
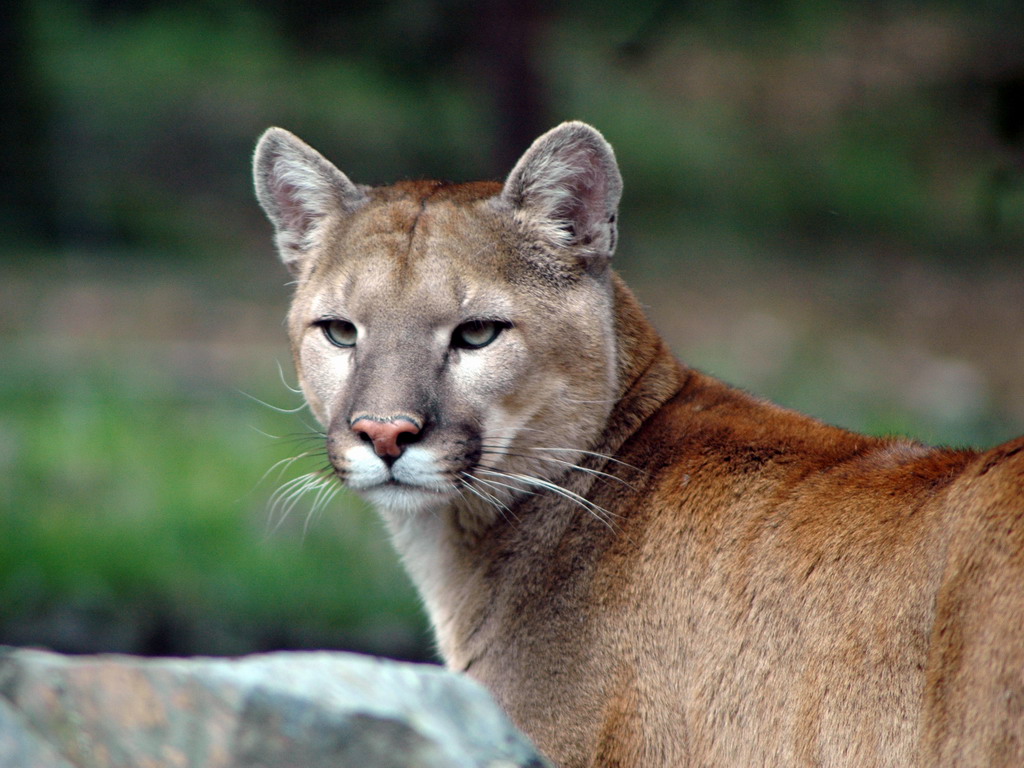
280 710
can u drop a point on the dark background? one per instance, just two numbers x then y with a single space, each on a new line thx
824 203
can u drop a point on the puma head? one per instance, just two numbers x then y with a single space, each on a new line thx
454 340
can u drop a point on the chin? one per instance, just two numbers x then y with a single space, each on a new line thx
406 499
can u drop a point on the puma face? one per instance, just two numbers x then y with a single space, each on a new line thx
455 341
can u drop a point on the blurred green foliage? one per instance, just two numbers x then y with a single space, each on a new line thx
135 519
762 144
788 120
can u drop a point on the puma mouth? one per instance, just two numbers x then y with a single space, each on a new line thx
392 483
402 497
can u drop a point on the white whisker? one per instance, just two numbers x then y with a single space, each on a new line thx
488 498
498 435
289 387
285 498
598 512
571 465
285 463
324 496
604 456
272 407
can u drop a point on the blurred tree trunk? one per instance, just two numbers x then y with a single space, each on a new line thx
505 43
26 196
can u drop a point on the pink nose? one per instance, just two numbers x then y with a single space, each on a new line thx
384 434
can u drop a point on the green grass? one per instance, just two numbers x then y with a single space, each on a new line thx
131 493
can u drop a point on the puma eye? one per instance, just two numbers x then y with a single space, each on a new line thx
341 333
477 333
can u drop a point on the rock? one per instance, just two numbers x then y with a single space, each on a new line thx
279 710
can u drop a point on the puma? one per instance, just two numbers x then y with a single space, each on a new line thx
646 566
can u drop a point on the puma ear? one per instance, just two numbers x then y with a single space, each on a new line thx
298 188
569 183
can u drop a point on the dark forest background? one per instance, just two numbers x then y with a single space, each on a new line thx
824 204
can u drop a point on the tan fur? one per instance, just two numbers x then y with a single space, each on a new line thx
719 581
